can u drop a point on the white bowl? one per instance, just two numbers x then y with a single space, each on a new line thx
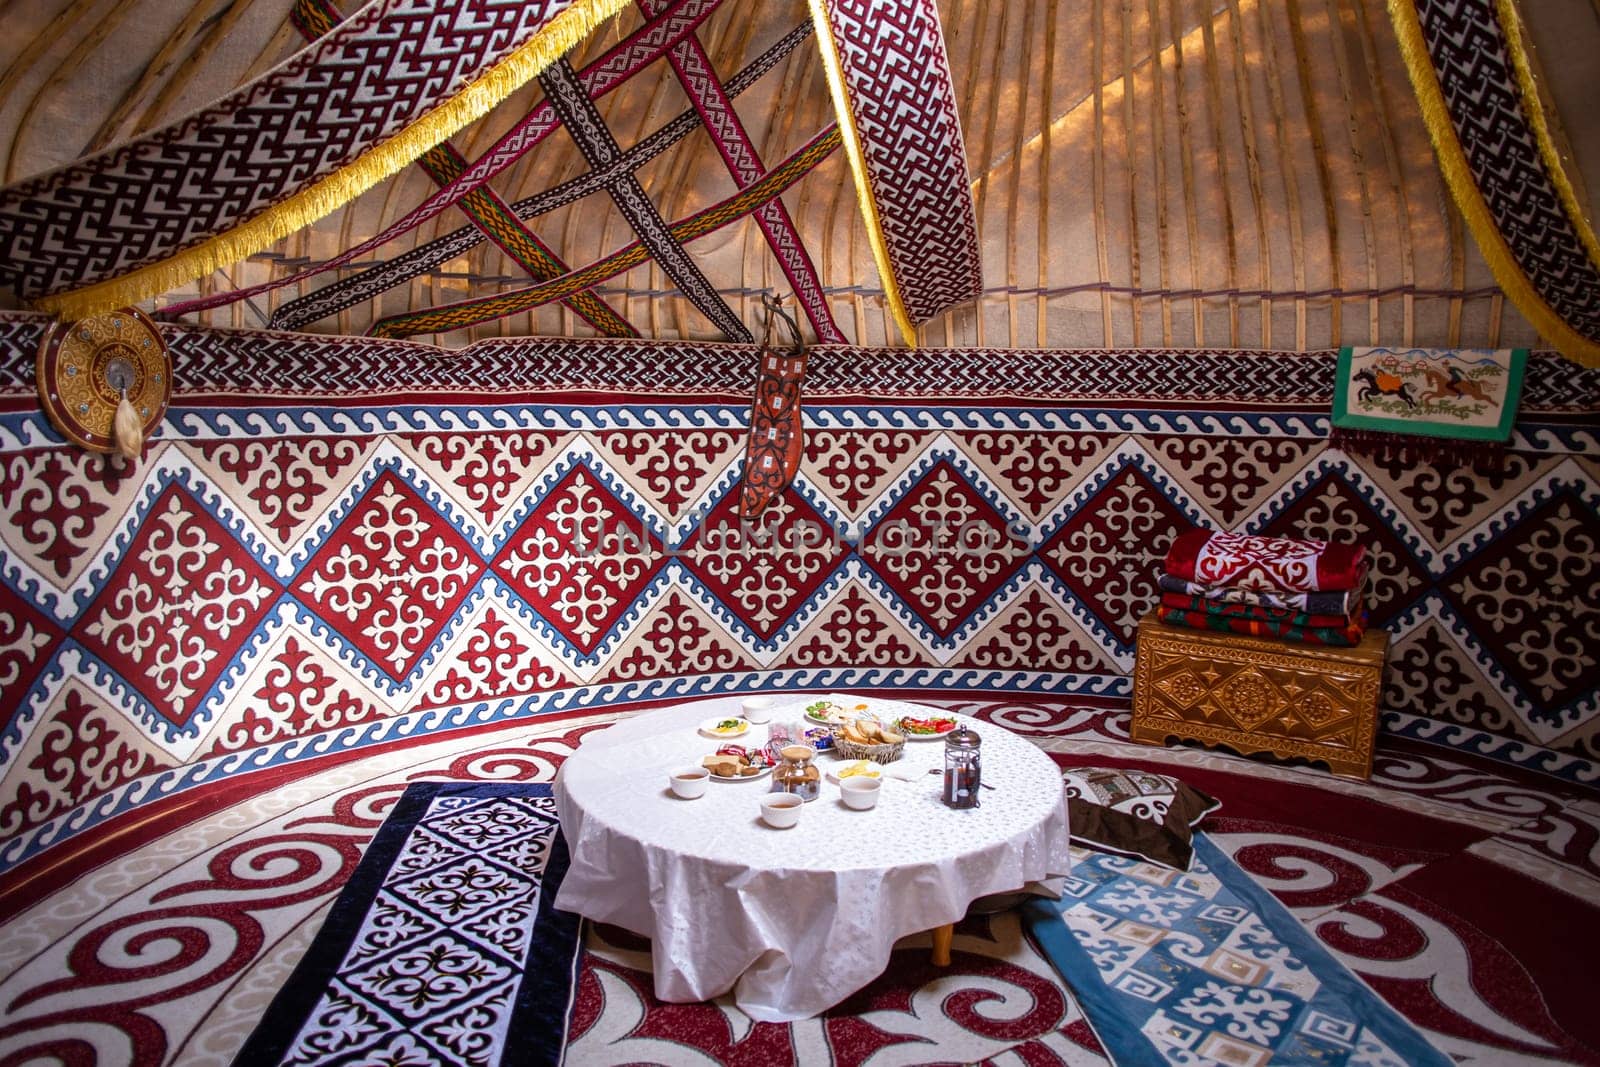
860 793
781 810
689 782
757 709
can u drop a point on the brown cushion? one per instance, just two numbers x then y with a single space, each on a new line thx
1135 813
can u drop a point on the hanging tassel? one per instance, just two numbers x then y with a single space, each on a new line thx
127 429
1485 457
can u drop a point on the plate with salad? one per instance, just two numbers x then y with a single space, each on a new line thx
930 728
725 726
837 712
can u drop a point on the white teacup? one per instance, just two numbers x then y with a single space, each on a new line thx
757 709
781 810
860 793
689 782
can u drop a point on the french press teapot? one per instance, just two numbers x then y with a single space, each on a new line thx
962 769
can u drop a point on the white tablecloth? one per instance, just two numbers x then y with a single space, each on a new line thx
793 921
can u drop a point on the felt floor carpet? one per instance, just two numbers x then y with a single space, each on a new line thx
1206 966
444 947
1465 893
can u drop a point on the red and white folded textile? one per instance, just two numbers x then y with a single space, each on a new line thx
1266 563
1329 602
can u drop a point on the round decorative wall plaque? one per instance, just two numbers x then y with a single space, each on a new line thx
87 368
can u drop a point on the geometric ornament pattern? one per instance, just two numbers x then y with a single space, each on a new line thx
1469 49
1205 966
433 973
360 85
277 578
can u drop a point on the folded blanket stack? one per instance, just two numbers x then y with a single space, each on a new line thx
1308 591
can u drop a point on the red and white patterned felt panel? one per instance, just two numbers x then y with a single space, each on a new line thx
580 558
943 548
406 559
178 608
392 576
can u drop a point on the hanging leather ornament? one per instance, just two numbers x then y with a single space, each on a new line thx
772 456
105 381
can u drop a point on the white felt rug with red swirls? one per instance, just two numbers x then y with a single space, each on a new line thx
1466 894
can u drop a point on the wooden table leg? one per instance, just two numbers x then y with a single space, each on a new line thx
941 944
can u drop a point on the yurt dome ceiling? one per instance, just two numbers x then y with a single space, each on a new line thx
1142 174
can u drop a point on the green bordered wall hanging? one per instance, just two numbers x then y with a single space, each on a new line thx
1451 405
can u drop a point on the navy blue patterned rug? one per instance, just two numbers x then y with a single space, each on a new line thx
445 946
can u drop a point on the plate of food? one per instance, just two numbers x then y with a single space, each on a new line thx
856 768
835 712
734 763
930 728
725 726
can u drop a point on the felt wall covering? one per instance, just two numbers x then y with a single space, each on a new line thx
331 543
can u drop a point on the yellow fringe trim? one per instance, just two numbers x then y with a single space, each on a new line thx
1511 26
547 45
1458 176
828 48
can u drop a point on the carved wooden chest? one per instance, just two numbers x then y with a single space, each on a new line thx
1257 694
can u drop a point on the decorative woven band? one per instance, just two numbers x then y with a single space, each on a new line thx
467 312
1475 87
641 48
713 103
594 139
369 283
108 229
492 216
890 81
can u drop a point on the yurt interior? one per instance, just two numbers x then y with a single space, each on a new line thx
823 532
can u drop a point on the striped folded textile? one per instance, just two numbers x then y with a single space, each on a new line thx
1254 612
1332 602
1264 564
1344 637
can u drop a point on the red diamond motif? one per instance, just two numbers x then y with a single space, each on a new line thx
178 607
763 570
580 559
27 641
943 549
1111 549
391 576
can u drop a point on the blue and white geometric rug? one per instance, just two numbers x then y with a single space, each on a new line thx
1206 967
444 947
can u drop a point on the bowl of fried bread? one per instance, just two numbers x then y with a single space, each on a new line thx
868 739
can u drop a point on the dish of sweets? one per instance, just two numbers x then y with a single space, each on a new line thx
833 712
735 763
856 768
929 729
724 726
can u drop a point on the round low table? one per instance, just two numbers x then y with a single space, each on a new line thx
793 921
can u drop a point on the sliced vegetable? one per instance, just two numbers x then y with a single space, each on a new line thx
934 725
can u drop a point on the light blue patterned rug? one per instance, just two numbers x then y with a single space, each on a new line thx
444 947
1205 966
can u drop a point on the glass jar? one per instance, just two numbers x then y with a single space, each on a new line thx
796 773
963 770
